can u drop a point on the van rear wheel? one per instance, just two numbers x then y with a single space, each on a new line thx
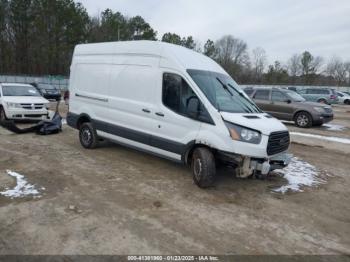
203 167
88 136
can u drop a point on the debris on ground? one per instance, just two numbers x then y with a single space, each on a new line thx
299 174
22 188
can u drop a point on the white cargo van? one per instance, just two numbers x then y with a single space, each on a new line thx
173 102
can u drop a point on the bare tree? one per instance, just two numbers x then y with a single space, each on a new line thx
337 69
259 61
347 68
294 65
231 50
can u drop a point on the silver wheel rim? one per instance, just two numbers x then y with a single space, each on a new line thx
302 120
86 136
197 168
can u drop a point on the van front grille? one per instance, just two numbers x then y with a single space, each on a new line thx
278 142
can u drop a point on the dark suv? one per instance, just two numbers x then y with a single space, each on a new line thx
48 91
288 105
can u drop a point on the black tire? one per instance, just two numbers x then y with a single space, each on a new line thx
322 101
88 136
347 102
3 117
203 167
303 120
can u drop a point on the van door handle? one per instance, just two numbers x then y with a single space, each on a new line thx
159 114
146 110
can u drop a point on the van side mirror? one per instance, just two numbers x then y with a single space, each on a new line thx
288 101
193 107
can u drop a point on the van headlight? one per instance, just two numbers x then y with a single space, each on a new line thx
13 105
243 134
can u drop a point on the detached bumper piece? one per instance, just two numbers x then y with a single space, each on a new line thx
247 166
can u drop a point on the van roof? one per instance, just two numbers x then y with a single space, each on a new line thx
183 57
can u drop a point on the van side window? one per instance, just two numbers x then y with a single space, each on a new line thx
176 93
262 94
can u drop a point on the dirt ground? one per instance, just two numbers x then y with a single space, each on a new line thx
114 200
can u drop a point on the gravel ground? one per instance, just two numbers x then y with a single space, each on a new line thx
113 200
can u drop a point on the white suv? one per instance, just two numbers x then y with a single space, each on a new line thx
22 101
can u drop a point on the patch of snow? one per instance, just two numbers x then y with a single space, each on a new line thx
333 127
327 138
299 174
64 121
22 188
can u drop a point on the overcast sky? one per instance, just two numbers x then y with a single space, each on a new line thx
282 27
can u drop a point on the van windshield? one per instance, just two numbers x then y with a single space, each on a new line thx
223 92
19 91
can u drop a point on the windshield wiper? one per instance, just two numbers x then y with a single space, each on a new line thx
228 90
242 95
224 86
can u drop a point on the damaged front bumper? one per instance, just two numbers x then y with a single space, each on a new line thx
246 166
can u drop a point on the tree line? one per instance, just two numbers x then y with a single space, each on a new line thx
37 37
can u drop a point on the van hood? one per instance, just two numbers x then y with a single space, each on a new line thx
261 122
25 99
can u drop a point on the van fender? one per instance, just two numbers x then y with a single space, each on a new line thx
210 140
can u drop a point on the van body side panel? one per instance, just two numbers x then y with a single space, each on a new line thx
131 99
90 89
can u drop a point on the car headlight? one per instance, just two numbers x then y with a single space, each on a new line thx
319 109
13 105
243 134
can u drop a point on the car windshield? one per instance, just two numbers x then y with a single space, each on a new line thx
19 91
223 92
295 96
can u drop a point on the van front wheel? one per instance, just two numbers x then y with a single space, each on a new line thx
88 136
203 167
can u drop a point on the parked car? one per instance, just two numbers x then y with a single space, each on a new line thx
343 97
22 101
288 105
319 94
172 102
48 91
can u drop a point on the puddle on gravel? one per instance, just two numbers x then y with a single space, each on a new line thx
299 174
326 138
22 188
334 127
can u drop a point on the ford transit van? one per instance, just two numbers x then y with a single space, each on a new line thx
172 102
